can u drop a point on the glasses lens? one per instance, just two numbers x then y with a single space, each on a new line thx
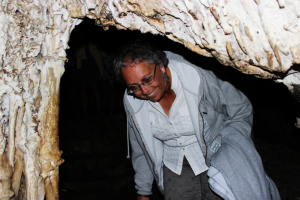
134 88
148 80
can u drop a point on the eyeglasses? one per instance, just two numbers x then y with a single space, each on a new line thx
145 81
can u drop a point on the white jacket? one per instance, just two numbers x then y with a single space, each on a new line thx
221 105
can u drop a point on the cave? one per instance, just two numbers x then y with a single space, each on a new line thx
222 36
95 164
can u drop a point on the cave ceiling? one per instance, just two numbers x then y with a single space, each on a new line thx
255 37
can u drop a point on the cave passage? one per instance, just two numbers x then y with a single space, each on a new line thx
92 122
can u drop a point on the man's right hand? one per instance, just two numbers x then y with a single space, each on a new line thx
143 198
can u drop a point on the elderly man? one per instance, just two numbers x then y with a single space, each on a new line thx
177 114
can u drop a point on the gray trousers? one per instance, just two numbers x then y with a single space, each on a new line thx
187 186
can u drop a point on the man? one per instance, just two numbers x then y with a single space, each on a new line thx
176 114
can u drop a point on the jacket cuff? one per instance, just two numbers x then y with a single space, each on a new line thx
143 192
143 182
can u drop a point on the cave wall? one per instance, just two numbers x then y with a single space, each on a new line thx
34 37
255 37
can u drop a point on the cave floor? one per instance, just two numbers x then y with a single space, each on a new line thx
96 167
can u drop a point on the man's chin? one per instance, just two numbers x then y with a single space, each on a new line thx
153 100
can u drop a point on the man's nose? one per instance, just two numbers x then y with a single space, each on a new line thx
144 89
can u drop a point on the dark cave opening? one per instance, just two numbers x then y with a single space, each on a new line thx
94 144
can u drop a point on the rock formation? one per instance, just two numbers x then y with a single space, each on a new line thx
255 37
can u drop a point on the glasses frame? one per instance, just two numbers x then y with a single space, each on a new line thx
130 92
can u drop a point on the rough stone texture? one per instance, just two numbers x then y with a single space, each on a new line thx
255 37
34 36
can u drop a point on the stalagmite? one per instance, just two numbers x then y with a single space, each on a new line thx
256 37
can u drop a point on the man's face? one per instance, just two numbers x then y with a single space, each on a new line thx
136 74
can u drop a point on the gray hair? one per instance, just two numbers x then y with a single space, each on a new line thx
136 52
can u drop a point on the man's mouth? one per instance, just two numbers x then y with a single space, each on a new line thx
150 95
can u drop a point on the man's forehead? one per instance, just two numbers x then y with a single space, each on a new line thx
130 63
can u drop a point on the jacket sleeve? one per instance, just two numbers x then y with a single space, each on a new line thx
143 176
230 102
